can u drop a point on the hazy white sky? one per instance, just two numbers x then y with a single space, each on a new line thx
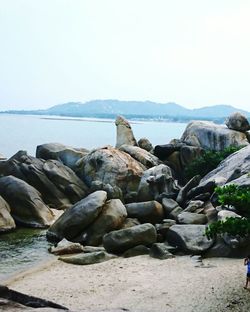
192 52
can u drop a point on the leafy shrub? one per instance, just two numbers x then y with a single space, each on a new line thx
208 162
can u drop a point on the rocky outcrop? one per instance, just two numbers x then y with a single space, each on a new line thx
7 223
27 207
121 240
141 155
59 185
111 166
150 211
238 122
156 182
189 238
124 133
77 218
211 136
66 154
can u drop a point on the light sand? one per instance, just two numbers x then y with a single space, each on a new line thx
140 284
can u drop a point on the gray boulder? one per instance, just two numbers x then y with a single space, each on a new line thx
87 258
66 154
141 155
124 133
111 218
210 136
7 223
150 211
190 238
238 122
27 207
111 166
191 218
155 182
121 240
77 218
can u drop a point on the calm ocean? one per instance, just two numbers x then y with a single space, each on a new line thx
21 132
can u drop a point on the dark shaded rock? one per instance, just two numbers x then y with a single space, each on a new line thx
238 122
168 205
160 251
164 151
27 207
182 195
129 222
175 212
121 240
163 227
7 223
150 211
77 218
136 251
87 258
201 189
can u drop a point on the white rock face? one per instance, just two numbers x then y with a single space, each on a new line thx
124 133
210 136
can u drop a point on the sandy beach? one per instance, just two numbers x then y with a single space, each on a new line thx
140 284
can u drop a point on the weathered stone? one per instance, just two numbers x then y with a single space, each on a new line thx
160 251
65 247
210 211
87 258
145 144
27 207
191 218
190 238
77 218
111 218
124 133
142 156
66 154
150 211
175 212
238 122
156 181
164 151
7 223
225 214
193 205
121 240
113 192
129 222
111 166
164 226
203 188
210 136
136 251
182 195
168 205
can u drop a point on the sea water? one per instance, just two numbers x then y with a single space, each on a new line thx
24 248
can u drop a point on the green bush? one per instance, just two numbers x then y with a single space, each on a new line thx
208 162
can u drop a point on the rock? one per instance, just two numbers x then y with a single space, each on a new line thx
202 189
190 238
145 144
77 218
87 258
58 184
168 205
188 154
243 181
124 133
160 251
193 205
156 181
2 157
164 226
191 218
111 218
66 154
239 160
175 212
225 214
210 212
182 195
65 247
129 222
164 151
219 249
27 207
111 166
121 240
150 211
7 223
210 136
142 156
89 249
136 251
238 122
113 192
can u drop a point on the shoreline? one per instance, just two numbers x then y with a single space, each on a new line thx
140 284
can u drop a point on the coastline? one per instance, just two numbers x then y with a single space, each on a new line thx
139 284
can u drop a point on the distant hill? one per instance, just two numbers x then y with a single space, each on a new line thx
136 110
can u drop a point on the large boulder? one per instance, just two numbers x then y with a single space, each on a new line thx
111 166
27 207
7 223
141 155
111 218
155 182
58 184
238 122
121 240
231 168
77 218
124 133
150 211
66 154
210 136
190 238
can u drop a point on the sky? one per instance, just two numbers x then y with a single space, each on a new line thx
192 52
